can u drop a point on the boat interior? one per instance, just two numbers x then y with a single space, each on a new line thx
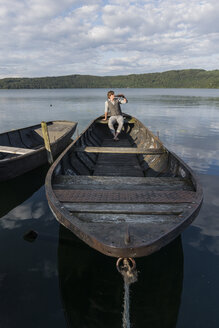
18 142
138 153
134 187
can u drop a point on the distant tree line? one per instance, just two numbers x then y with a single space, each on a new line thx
190 78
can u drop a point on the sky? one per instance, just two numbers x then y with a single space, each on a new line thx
99 37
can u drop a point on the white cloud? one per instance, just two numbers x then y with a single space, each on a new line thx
49 37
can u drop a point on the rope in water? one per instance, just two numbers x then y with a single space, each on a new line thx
127 268
126 316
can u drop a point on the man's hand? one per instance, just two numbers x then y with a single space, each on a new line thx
105 116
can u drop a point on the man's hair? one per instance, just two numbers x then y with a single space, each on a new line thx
109 93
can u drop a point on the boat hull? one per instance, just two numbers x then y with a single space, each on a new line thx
123 202
17 165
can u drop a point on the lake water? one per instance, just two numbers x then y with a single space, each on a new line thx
57 281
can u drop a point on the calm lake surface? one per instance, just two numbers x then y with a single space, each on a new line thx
57 281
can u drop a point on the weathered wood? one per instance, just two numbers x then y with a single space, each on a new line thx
121 169
120 182
123 142
180 186
120 150
15 139
129 218
54 131
47 142
23 150
134 185
15 150
125 196
153 209
114 159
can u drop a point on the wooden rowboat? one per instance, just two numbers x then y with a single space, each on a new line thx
127 198
23 150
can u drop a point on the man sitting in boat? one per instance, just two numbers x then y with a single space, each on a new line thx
112 106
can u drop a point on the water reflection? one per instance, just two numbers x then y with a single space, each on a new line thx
16 191
207 221
194 142
92 289
28 271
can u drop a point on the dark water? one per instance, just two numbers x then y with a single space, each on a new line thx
57 281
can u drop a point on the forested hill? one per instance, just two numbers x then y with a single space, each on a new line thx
191 78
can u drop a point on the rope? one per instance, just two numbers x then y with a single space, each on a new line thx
125 316
127 268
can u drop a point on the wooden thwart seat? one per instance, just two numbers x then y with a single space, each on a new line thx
132 209
15 150
83 182
108 220
120 150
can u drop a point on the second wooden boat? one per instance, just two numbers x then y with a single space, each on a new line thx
23 150
127 198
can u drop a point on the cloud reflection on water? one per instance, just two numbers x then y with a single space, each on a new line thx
208 219
192 133
30 209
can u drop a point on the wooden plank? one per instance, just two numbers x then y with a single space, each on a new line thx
15 150
78 165
120 150
157 220
15 139
123 142
152 209
85 159
118 170
105 181
125 196
113 230
55 130
123 186
116 159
